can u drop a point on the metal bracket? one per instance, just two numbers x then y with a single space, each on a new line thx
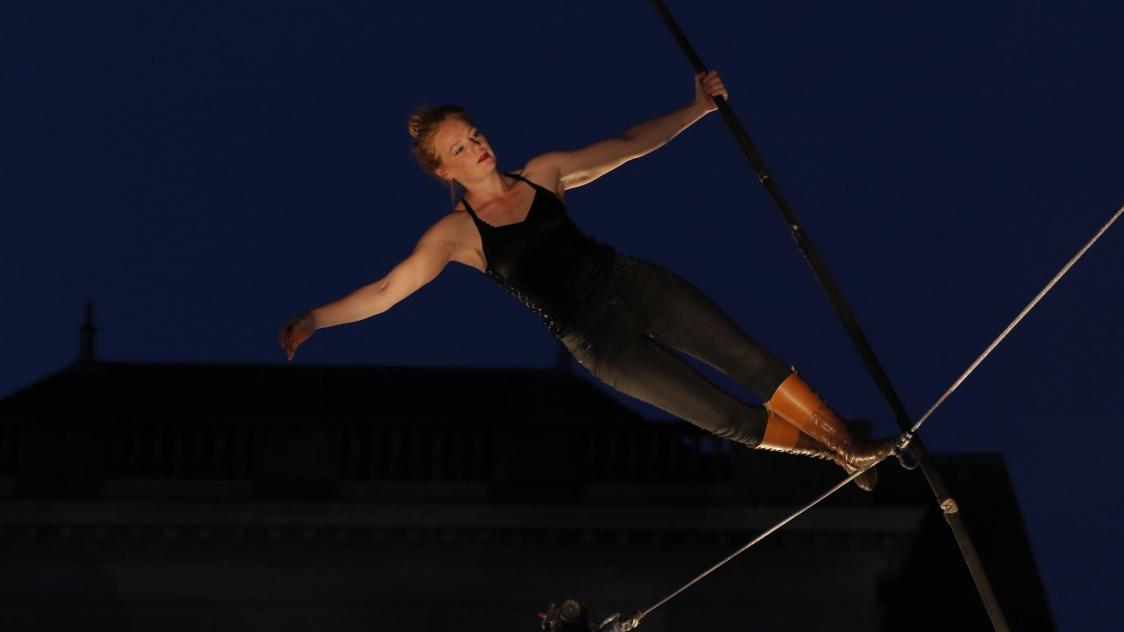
905 456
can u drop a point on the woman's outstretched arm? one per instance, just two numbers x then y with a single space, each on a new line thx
585 165
433 251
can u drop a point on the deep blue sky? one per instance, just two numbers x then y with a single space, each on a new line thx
205 170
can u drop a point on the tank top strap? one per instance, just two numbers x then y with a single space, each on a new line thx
472 211
519 177
468 208
539 187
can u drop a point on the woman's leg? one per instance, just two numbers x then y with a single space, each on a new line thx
677 313
636 365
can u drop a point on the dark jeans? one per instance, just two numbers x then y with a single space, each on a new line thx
624 341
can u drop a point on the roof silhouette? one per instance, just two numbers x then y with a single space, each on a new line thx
333 392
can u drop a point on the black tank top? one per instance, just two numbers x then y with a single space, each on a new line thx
545 261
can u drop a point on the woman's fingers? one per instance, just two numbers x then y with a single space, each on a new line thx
714 82
287 338
295 331
710 84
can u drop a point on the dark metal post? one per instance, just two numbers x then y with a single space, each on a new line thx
947 504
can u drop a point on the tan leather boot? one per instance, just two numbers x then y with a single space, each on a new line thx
802 407
781 436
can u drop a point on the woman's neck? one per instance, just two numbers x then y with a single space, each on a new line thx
488 189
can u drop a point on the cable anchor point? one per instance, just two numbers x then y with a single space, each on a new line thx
904 455
614 623
574 616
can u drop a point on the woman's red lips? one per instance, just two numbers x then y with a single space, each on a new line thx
483 157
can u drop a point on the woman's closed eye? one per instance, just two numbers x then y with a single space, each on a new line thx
474 136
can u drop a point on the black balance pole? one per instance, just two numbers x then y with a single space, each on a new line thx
947 504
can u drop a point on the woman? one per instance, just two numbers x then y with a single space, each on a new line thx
617 315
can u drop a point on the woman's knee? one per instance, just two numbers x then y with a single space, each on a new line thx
745 425
759 369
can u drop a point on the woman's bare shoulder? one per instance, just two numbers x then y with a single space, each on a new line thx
452 224
457 229
543 171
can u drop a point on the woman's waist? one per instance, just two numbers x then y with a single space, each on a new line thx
557 271
608 297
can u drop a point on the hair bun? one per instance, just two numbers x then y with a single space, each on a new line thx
415 124
424 118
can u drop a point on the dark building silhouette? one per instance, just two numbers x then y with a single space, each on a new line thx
167 497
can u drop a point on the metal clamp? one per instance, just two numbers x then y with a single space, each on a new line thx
615 624
904 455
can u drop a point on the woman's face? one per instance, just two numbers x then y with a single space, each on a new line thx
465 154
